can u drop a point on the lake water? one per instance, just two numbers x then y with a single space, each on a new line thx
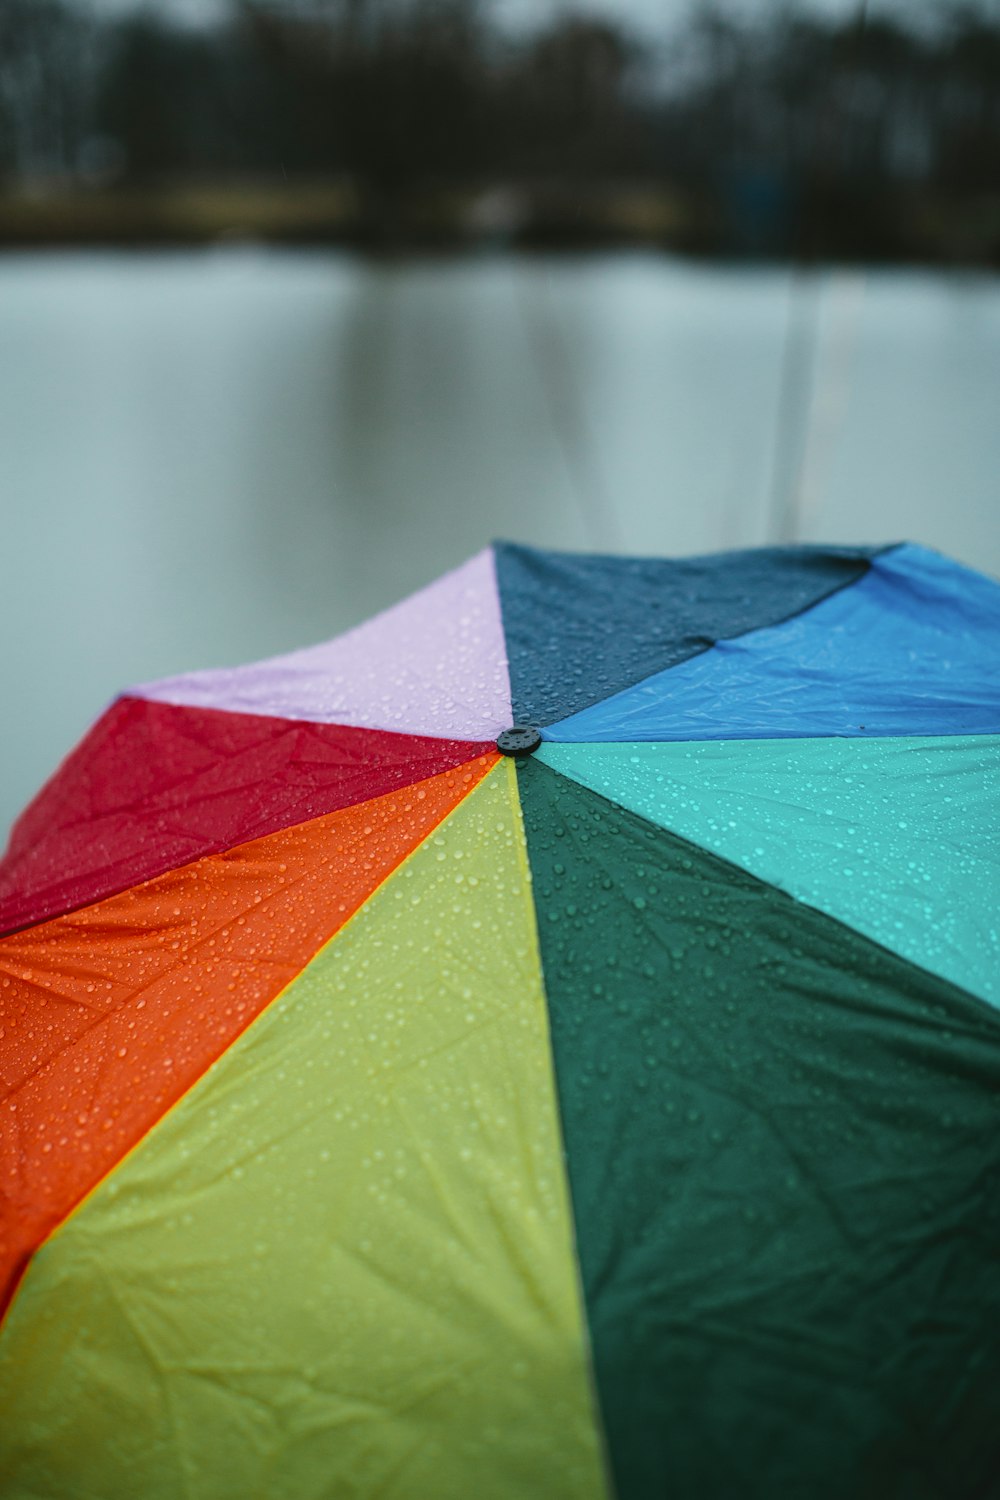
209 457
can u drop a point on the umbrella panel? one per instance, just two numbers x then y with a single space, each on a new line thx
579 628
435 664
778 1136
895 837
343 1263
112 1012
153 786
913 648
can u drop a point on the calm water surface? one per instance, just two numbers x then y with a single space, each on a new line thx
209 457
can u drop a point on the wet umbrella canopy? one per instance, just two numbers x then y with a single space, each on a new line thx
540 1044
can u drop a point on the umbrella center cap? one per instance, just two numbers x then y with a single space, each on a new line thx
520 739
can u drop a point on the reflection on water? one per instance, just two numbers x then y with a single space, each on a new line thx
213 456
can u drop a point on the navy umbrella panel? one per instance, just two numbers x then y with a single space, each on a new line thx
581 628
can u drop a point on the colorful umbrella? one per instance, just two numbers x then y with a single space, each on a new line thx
400 1101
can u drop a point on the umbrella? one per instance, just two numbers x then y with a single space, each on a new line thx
542 1043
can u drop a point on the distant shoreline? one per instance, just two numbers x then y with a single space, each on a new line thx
536 216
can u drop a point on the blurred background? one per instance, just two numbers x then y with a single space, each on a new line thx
304 301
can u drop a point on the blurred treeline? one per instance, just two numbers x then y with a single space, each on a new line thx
426 122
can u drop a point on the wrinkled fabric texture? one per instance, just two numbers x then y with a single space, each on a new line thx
783 1145
154 786
911 648
112 1012
362 1282
355 1147
579 628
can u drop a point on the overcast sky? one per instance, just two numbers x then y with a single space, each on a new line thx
653 15
650 16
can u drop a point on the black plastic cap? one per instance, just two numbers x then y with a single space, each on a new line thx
521 739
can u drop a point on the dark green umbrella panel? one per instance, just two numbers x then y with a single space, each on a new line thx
543 1043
